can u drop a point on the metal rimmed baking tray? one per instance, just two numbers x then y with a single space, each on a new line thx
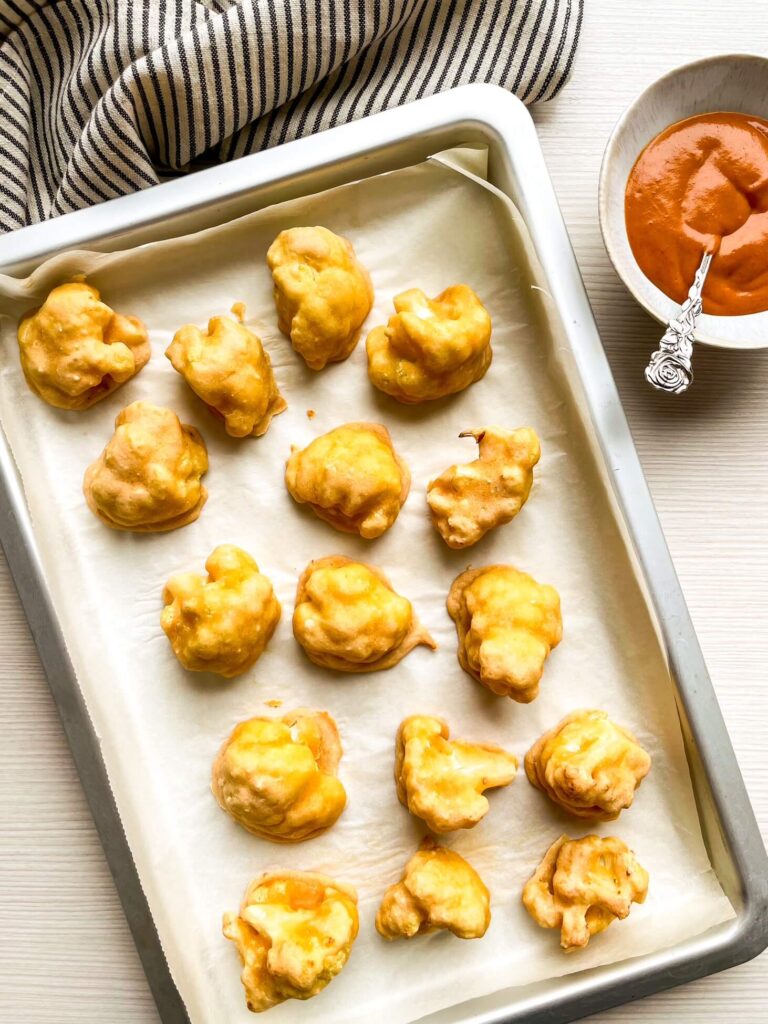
396 139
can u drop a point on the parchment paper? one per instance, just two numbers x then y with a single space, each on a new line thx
430 225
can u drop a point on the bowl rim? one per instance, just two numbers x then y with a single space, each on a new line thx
602 190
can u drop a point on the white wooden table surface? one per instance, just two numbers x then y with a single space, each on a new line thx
65 950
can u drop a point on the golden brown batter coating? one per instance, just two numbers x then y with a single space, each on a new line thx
221 624
351 477
75 350
228 368
588 765
507 624
430 347
148 478
439 889
349 618
277 776
582 886
442 781
467 501
294 933
322 293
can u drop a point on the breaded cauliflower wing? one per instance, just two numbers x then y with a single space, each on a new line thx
351 477
294 933
442 781
466 501
277 776
223 623
322 293
348 617
507 624
588 765
438 890
227 367
430 348
75 350
582 886
149 477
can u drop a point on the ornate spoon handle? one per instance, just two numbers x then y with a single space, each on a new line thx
670 366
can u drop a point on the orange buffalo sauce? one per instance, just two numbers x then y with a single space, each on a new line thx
702 184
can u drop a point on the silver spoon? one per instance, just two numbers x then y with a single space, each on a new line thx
670 366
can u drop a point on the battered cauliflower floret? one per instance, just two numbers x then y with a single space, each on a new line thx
469 500
148 478
322 293
294 933
582 886
507 624
228 368
348 617
75 350
277 777
221 624
442 781
430 347
588 765
439 889
352 478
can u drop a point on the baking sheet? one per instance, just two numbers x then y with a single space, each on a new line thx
430 225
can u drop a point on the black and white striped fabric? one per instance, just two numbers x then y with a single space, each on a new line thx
103 97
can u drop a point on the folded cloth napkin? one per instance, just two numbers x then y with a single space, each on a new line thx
103 97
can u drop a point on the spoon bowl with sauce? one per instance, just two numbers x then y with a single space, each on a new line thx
685 173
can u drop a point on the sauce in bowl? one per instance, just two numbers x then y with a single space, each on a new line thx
702 185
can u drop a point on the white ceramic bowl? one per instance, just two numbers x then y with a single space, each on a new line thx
734 82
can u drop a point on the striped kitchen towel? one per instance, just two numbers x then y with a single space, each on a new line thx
103 97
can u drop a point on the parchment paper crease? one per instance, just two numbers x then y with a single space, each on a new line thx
430 225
